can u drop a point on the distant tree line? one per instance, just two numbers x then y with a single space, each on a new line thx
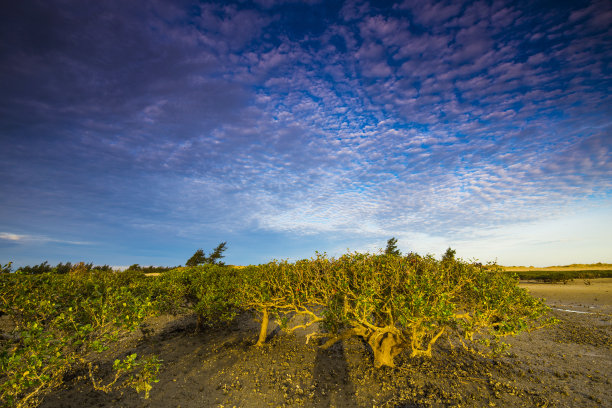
150 269
60 268
68 267
198 258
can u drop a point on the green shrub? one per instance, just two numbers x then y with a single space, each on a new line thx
59 321
395 303
209 290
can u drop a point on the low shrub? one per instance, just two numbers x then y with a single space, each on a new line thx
209 290
394 303
60 322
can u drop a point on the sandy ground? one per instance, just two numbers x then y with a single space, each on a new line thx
566 365
593 295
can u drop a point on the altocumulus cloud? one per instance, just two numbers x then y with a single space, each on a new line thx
162 121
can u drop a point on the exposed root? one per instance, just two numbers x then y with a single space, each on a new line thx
385 346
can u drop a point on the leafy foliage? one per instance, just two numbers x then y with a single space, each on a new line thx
59 321
209 290
395 303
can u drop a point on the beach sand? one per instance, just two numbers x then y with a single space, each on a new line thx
593 295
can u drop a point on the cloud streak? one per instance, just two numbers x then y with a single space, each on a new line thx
19 238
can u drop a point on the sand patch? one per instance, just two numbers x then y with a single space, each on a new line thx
593 295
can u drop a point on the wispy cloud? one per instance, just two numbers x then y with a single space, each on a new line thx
20 238
12 237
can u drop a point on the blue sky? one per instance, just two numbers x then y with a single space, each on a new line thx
138 132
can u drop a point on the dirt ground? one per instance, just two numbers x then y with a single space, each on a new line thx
566 365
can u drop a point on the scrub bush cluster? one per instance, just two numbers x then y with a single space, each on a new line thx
394 303
60 321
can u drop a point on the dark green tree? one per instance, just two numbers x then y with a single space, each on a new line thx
36 269
62 268
449 255
392 247
217 254
197 259
200 258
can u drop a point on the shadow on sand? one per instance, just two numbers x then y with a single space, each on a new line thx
333 386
